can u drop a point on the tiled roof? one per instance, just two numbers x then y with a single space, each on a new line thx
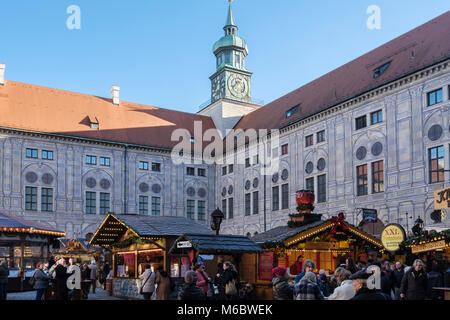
282 233
9 221
149 226
221 244
40 109
413 51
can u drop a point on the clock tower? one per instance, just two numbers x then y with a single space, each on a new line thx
231 80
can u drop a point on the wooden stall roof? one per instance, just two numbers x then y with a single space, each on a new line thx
13 224
114 227
290 236
221 244
77 245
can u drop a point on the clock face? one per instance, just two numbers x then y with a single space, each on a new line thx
238 85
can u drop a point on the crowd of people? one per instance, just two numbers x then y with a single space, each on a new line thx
59 280
350 281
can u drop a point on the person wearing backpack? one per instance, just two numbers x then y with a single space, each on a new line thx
39 281
148 283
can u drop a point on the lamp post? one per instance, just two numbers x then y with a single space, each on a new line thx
216 219
407 225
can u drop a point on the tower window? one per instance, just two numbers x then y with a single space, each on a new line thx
227 58
238 59
219 60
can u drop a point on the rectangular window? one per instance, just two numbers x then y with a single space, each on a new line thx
255 202
190 209
31 198
275 198
238 59
377 177
143 165
376 117
156 167
361 122
321 136
91 160
247 204
434 97
190 171
284 149
105 161
156 206
227 58
310 184
32 153
224 171
46 199
230 208
224 208
361 178
247 162
143 205
322 189
90 202
104 203
436 164
201 210
309 140
230 168
201 172
285 196
47 155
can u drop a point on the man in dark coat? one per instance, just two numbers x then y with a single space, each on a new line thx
396 279
435 280
4 273
190 291
362 291
414 283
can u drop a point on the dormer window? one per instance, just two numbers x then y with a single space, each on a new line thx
291 111
380 70
93 122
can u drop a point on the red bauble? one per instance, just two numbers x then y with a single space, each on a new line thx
304 197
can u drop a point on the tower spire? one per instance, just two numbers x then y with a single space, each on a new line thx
230 17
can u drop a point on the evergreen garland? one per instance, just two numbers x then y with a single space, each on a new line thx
426 237
130 241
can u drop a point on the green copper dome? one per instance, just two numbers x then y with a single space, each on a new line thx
230 39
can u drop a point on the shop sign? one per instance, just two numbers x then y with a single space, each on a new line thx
428 246
370 215
184 244
442 199
392 236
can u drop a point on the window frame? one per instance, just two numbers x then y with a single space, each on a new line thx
275 198
255 201
156 206
364 178
105 198
285 149
378 177
357 127
47 199
430 164
247 204
320 136
285 196
143 165
89 201
105 161
230 208
309 140
377 113
31 200
189 169
307 184
435 93
322 188
143 205
91 160
47 152
32 152
190 215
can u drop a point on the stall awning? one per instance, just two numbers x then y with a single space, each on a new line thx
13 224
287 236
221 244
115 226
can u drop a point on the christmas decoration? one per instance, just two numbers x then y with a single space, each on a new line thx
338 223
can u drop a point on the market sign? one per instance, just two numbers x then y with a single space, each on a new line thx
370 215
428 246
391 237
184 244
442 199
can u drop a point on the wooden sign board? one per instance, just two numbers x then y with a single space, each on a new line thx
442 199
391 237
184 244
428 246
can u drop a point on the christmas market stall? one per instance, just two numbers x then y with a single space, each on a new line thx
79 249
307 236
22 244
137 241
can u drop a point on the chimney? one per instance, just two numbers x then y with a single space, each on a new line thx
115 95
2 73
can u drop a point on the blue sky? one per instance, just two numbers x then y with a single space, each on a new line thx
160 52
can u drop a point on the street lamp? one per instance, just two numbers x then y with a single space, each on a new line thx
216 219
418 227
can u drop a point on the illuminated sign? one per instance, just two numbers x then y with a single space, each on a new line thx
392 236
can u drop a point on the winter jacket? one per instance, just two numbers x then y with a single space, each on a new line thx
281 289
4 273
191 292
368 294
202 282
301 275
435 279
414 285
85 274
305 289
343 292
148 281
163 290
94 271
41 279
296 268
61 278
386 284
396 277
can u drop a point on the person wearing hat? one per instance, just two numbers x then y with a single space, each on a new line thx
362 292
281 289
190 291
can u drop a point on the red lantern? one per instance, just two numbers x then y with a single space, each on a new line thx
304 197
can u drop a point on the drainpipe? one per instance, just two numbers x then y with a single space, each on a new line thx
125 154
265 184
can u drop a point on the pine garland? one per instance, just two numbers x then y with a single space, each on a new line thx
427 237
130 241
